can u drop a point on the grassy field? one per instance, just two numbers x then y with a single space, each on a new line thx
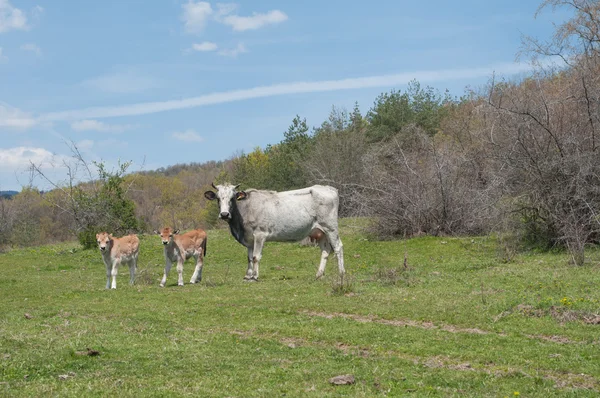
453 321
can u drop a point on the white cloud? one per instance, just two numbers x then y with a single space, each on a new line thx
195 15
256 21
11 18
204 46
95 125
32 48
122 82
225 9
234 52
11 117
20 157
431 76
2 57
187 136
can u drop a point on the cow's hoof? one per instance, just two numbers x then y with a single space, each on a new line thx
162 285
250 279
180 284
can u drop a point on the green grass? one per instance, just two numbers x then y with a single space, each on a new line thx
453 321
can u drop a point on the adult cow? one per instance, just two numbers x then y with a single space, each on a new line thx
256 216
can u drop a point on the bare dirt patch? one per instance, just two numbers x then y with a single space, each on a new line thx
432 326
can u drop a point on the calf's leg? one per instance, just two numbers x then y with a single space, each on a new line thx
167 269
180 271
114 272
197 277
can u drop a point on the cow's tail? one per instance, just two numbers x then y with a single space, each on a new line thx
204 246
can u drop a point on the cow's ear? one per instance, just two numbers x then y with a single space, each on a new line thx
210 195
156 232
175 232
241 195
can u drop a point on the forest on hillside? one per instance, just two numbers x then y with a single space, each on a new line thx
515 158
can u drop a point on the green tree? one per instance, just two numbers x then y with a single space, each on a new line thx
391 112
105 209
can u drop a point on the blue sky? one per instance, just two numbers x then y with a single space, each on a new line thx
178 81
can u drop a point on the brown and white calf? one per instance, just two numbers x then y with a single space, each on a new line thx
116 251
179 248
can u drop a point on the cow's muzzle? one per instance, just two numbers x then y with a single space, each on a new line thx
165 242
225 216
102 249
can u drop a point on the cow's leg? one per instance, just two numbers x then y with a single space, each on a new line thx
108 273
197 277
249 271
167 269
325 251
259 242
114 272
338 248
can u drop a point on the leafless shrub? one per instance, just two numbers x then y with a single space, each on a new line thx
144 276
342 285
419 184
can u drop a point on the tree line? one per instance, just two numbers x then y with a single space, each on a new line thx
515 158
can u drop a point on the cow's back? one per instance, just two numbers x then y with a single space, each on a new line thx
288 215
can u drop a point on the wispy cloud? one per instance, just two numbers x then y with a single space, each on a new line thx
11 18
11 117
205 46
3 58
288 89
234 52
122 82
187 136
85 145
195 15
95 125
255 21
31 47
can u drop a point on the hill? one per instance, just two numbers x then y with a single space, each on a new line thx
8 194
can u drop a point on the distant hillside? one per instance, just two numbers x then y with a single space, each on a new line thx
8 194
173 170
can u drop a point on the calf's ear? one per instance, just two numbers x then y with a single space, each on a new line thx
175 232
156 232
241 195
210 195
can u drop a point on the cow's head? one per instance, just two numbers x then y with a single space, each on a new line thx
226 195
104 240
166 234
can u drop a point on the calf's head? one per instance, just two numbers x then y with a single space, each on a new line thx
166 234
104 240
226 195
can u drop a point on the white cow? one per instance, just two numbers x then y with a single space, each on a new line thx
179 248
257 216
116 251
